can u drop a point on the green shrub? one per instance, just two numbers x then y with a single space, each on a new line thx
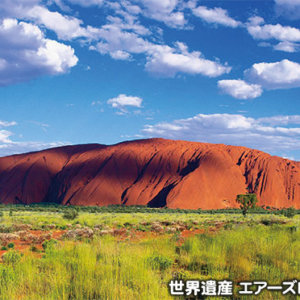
62 227
160 262
271 221
70 214
11 245
49 245
11 257
3 248
228 226
289 212
34 249
141 228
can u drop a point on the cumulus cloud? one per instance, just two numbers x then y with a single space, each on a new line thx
66 27
240 89
215 15
233 129
167 61
16 8
287 36
279 75
258 30
288 8
284 74
123 36
123 101
26 54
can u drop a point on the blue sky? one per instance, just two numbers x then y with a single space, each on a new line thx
98 71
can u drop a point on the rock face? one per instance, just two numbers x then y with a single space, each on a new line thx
153 172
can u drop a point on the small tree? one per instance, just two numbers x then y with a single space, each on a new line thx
246 201
290 212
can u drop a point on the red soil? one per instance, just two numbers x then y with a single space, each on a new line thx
154 172
189 233
23 246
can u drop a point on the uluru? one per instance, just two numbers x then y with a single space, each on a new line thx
152 172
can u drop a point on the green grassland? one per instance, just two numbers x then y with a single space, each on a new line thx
106 265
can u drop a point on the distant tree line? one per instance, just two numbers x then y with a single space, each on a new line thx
54 207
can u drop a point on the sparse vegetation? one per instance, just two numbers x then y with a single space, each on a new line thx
134 255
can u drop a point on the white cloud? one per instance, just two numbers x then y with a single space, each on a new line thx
87 3
167 61
164 11
130 7
9 147
123 36
260 31
25 53
288 36
240 89
120 55
60 4
7 124
279 75
288 8
119 43
66 28
215 15
281 120
122 101
5 136
16 8
284 74
287 47
162 60
129 24
228 129
57 56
